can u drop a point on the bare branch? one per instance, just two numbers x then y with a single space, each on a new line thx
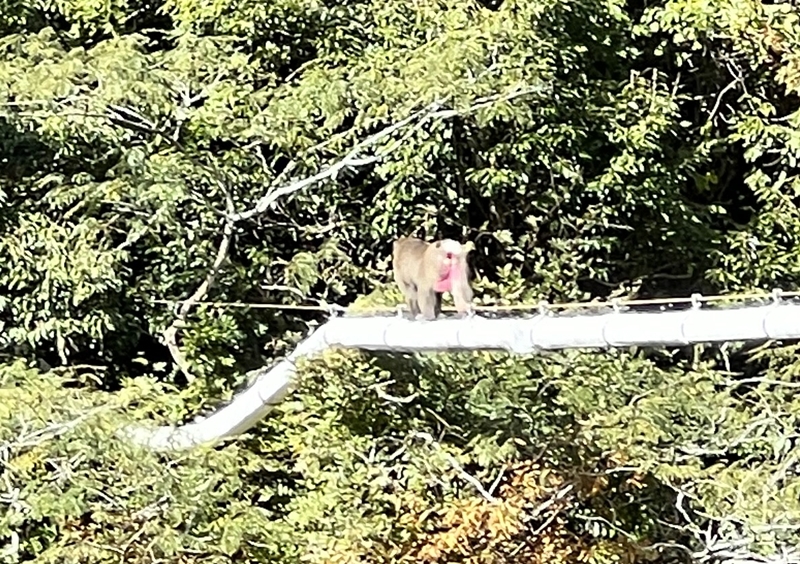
735 545
353 159
498 478
454 463
187 100
170 333
332 170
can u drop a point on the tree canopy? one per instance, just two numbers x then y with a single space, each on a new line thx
269 152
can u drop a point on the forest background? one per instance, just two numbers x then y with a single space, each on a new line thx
269 152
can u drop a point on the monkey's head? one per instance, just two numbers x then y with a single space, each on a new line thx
449 248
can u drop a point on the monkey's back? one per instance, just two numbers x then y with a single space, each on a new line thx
407 258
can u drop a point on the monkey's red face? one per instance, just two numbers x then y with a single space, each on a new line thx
447 271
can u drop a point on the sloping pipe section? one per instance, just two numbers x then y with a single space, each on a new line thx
515 335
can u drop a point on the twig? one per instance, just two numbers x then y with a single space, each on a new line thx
51 431
187 100
454 463
499 477
384 396
79 367
561 494
758 380
722 93
331 171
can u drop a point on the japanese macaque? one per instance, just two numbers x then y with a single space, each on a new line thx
425 270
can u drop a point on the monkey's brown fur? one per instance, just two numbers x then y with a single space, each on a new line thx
423 271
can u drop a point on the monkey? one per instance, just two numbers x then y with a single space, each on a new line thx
423 271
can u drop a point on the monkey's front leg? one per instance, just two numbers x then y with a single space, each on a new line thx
437 308
462 297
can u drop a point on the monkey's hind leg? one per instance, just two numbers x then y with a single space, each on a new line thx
410 293
427 303
413 308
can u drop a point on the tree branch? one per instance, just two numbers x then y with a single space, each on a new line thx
170 335
353 159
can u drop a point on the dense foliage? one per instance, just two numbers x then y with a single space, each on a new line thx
586 148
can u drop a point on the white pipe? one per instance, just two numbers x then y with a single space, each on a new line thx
515 335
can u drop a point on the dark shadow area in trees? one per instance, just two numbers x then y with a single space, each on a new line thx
23 154
28 155
300 35
141 344
42 531
492 5
141 16
448 407
662 261
706 78
29 18
602 65
280 480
